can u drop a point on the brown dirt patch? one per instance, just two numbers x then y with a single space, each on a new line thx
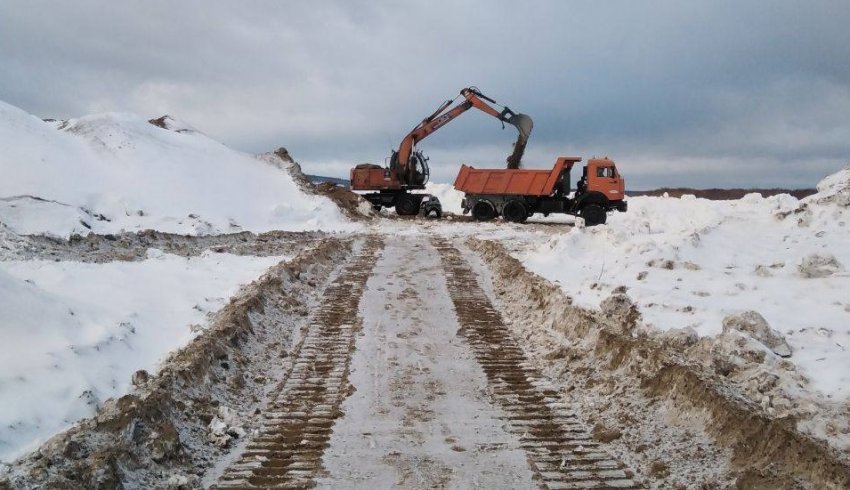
608 352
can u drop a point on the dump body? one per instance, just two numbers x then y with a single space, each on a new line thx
520 182
516 194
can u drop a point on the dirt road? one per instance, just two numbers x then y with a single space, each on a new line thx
411 359
441 395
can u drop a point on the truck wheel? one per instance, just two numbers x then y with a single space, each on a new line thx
483 211
406 205
515 211
593 215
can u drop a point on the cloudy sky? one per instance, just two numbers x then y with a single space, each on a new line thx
701 93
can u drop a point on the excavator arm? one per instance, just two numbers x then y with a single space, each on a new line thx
401 160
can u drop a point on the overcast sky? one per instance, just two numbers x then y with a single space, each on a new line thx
710 93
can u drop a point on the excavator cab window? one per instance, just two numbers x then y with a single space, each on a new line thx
419 163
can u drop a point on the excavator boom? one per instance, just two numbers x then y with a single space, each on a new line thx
408 168
401 160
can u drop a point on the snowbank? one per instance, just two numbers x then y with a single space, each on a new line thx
833 189
74 333
689 263
117 172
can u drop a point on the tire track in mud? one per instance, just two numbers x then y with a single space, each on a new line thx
560 451
297 424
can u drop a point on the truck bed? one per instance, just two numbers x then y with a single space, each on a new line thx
526 182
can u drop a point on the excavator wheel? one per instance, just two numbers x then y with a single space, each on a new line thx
593 215
515 211
483 211
407 205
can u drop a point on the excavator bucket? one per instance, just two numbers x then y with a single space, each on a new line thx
524 125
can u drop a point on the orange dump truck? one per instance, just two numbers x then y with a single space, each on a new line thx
516 194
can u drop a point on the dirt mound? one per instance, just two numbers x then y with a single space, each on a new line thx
725 385
173 428
351 204
130 247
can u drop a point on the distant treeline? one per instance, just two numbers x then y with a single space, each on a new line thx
721 194
318 179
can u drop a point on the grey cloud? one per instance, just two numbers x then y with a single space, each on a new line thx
738 93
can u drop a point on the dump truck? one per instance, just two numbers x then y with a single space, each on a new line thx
408 168
516 194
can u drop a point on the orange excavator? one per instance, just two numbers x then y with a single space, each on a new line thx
408 167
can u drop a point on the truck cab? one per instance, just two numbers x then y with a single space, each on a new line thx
602 176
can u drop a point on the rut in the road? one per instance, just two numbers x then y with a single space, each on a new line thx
298 423
560 450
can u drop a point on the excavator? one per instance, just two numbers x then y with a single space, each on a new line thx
408 167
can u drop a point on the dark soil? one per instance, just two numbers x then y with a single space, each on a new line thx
130 247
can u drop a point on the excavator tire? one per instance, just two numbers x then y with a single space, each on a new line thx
593 215
407 205
515 211
483 211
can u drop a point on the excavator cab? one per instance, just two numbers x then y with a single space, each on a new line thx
419 170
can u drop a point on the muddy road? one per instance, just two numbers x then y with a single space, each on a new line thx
391 361
441 395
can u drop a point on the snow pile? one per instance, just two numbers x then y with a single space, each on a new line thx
9 242
449 197
834 189
118 172
224 427
691 263
74 333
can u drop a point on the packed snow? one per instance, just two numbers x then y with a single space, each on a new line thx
114 172
691 262
74 333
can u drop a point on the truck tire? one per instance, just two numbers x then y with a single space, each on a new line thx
515 211
483 211
593 215
406 205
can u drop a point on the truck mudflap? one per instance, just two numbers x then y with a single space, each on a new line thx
621 206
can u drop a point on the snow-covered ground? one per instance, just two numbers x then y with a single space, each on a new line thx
117 172
691 262
74 333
